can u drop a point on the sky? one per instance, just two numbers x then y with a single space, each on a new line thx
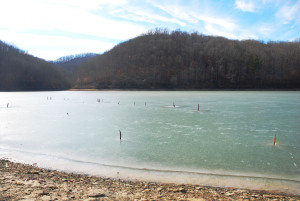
50 29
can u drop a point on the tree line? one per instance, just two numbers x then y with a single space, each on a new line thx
71 62
161 59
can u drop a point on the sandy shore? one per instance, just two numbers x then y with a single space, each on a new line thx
27 182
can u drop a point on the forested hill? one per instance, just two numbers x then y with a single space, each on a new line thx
22 72
160 60
72 62
178 60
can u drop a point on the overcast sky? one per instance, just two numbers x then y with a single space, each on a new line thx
53 28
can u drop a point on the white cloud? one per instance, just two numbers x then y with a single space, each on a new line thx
238 34
224 23
45 18
64 15
94 4
52 47
289 12
245 5
265 30
213 23
177 11
218 32
137 14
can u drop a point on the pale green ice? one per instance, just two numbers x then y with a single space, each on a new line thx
232 134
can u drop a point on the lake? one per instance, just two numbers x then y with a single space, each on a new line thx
228 142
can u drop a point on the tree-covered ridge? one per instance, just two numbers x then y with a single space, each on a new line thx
179 60
22 72
72 62
160 60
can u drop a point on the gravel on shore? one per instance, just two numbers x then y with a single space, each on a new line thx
28 182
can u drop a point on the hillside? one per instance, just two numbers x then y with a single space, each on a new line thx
22 72
178 60
160 60
72 62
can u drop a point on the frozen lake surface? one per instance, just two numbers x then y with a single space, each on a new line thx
228 142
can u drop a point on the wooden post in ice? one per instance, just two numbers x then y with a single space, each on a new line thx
274 140
120 135
198 107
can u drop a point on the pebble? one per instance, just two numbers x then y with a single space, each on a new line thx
159 189
229 193
97 195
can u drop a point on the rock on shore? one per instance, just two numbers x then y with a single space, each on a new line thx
28 182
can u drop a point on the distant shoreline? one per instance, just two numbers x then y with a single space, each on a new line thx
165 89
21 181
162 89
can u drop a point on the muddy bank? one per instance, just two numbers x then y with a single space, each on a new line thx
28 182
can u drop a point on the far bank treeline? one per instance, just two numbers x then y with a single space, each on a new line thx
178 60
22 72
160 60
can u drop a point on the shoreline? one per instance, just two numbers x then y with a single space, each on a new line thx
21 181
162 89
180 89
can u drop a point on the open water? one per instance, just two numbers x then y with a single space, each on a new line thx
228 142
